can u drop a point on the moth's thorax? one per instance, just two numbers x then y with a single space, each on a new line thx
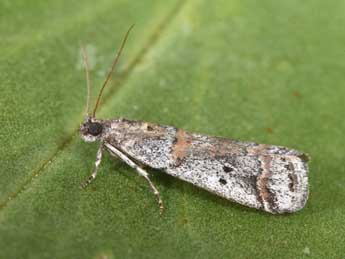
127 130
92 130
125 125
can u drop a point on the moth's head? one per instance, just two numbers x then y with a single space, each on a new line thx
91 130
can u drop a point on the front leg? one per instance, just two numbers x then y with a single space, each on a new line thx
113 150
95 169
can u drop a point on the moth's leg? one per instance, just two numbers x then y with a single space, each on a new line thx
140 171
95 169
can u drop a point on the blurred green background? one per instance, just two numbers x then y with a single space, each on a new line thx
265 71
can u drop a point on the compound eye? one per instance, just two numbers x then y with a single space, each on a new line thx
95 128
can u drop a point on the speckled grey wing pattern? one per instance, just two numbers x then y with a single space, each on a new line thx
265 177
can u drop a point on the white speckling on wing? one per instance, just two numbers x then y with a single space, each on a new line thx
239 186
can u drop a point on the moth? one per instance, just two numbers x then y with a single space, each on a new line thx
266 177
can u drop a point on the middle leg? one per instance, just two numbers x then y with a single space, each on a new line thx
113 150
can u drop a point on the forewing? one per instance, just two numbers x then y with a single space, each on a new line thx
265 177
148 143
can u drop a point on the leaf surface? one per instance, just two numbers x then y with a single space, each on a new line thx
270 72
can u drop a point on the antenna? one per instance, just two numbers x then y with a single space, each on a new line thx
118 54
87 71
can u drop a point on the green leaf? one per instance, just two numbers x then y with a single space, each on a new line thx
266 71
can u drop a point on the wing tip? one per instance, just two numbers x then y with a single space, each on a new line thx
284 188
